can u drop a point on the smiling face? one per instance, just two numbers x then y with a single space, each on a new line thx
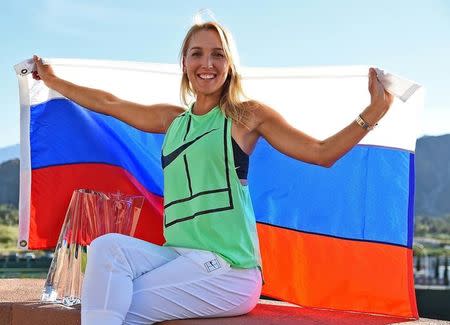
205 63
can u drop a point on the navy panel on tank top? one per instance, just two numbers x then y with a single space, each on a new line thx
240 160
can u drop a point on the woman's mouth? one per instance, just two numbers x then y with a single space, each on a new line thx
206 76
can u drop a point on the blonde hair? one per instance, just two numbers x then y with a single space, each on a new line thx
231 100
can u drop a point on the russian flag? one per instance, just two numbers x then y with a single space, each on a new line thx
335 238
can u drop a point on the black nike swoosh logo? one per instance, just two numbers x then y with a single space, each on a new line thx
167 159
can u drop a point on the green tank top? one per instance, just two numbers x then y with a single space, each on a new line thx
205 205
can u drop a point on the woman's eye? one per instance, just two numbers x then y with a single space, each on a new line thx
196 54
219 55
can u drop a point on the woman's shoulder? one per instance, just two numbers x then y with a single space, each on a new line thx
171 112
258 111
251 104
253 114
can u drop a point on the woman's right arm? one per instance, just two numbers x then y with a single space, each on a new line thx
149 118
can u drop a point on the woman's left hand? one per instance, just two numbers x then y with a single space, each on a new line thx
380 99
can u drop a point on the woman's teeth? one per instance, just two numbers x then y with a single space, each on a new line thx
206 76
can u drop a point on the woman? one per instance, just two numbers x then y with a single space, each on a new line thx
210 264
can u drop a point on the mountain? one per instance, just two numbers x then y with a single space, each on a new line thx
433 176
432 162
10 152
9 182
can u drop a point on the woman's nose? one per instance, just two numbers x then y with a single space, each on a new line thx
208 61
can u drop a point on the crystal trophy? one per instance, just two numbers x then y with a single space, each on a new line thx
90 214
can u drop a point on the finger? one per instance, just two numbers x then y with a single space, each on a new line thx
374 75
389 97
371 80
36 76
39 61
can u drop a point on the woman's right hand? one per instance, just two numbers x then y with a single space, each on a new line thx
43 71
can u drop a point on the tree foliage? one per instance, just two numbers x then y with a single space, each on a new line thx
432 227
9 215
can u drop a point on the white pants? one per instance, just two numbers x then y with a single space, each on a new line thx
131 281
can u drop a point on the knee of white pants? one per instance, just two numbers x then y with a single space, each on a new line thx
105 241
105 251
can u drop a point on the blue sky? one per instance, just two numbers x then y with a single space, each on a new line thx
408 37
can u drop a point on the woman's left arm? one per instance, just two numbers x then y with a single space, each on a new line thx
296 144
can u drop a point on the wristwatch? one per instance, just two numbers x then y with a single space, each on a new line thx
362 123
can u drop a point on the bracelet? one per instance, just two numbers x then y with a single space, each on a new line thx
362 123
